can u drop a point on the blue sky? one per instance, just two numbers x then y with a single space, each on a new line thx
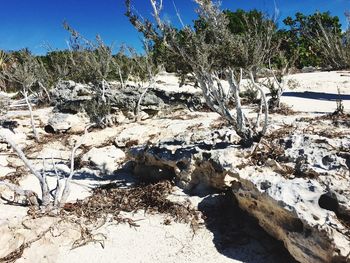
31 23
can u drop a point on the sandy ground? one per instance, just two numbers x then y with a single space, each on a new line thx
153 241
318 92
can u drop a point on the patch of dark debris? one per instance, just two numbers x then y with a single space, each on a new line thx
284 110
337 119
112 200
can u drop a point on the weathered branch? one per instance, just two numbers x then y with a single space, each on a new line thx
40 177
58 185
32 122
66 190
138 106
263 98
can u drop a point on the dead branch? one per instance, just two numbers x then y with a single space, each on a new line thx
66 189
32 122
264 101
40 177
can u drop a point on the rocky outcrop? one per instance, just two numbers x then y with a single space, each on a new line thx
71 97
308 213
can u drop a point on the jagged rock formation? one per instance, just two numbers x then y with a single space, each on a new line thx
307 208
71 97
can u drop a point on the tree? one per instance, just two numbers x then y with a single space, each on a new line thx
57 64
145 70
48 201
302 29
332 45
214 50
3 62
91 60
26 71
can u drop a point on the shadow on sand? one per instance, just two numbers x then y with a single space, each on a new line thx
316 95
237 235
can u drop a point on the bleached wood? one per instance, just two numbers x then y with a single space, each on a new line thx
32 122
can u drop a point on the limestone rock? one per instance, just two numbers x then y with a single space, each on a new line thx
63 122
107 158
309 215
71 97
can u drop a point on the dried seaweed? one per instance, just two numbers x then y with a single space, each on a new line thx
14 255
281 132
284 110
331 134
218 124
111 200
15 177
337 119
87 237
267 152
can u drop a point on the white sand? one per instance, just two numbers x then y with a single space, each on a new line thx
317 92
153 241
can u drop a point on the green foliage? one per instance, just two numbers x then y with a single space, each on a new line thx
250 94
97 110
294 41
240 20
87 61
171 61
3 59
90 61
302 29
24 71
306 40
246 27
3 63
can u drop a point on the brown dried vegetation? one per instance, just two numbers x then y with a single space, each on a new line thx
112 200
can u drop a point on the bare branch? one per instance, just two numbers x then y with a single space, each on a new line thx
32 122
66 190
40 177
264 101
30 195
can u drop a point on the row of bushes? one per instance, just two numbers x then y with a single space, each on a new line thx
301 42
86 61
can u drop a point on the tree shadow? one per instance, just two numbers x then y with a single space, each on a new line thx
316 95
97 175
237 235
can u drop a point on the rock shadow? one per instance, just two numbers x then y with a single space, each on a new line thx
237 235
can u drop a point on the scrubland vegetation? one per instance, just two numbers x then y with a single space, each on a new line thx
240 62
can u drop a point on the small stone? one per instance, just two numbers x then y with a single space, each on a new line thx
107 159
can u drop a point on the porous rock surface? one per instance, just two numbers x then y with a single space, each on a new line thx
108 158
308 210
63 122
71 97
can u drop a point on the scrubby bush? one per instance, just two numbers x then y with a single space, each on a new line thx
212 51
303 35
332 45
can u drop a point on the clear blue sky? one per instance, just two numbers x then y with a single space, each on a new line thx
31 23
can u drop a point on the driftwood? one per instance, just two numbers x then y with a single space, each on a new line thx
46 202
32 123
